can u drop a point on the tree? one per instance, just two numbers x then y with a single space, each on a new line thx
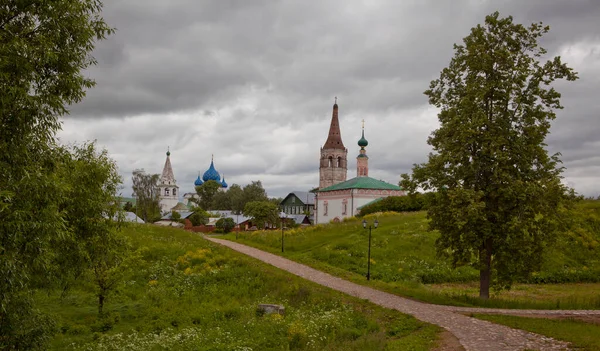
206 194
221 201
254 192
498 194
44 47
225 224
146 191
175 216
236 195
128 207
262 213
200 217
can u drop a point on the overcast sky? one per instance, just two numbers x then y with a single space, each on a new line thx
253 82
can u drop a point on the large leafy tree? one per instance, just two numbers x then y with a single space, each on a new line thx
207 193
498 193
44 47
147 193
262 213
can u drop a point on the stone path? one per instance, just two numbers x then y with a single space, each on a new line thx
473 334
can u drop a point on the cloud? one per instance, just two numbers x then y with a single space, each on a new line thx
253 83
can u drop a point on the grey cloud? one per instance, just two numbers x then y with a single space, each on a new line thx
253 82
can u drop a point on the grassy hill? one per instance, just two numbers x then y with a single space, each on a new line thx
184 293
403 260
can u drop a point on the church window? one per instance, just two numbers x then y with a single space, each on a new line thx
330 161
166 191
339 162
174 192
344 206
325 208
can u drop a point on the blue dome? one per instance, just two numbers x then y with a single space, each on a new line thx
211 174
198 181
223 184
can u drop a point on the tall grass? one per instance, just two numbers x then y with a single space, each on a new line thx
403 258
188 294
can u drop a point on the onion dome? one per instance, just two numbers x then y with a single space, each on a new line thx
363 142
211 173
198 181
223 183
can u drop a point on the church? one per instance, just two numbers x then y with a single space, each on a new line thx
338 198
168 189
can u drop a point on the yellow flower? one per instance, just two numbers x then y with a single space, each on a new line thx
153 282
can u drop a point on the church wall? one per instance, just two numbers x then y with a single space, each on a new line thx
350 199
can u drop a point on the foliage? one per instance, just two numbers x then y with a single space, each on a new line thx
254 192
175 216
184 293
206 194
92 214
200 217
236 196
44 47
406 263
225 224
128 207
414 202
582 336
498 195
221 201
147 193
262 213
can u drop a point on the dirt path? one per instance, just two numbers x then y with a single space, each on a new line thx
473 334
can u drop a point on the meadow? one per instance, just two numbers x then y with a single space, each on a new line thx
403 261
182 292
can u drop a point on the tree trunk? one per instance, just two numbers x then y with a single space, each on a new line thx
100 303
485 270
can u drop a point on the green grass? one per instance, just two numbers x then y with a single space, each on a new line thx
403 261
186 293
582 335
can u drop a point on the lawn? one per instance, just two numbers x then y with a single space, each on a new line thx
184 293
403 261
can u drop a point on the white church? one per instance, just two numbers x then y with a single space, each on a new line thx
338 198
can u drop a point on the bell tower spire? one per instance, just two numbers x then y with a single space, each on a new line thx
362 160
334 156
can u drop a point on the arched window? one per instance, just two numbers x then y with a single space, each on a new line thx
167 191
325 208
174 191
330 161
339 162
344 206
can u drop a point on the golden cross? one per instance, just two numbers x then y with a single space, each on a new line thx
363 123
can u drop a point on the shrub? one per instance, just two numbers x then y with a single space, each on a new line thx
225 224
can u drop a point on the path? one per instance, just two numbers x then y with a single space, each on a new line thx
473 334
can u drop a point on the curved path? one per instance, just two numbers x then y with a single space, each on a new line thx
473 334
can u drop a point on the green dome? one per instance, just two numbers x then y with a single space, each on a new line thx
363 142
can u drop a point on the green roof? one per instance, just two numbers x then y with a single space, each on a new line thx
362 183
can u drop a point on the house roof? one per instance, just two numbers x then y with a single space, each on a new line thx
180 207
132 217
361 183
298 218
306 197
229 214
184 215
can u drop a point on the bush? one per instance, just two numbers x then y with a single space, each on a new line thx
410 203
225 224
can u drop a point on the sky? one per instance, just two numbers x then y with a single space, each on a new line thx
253 83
